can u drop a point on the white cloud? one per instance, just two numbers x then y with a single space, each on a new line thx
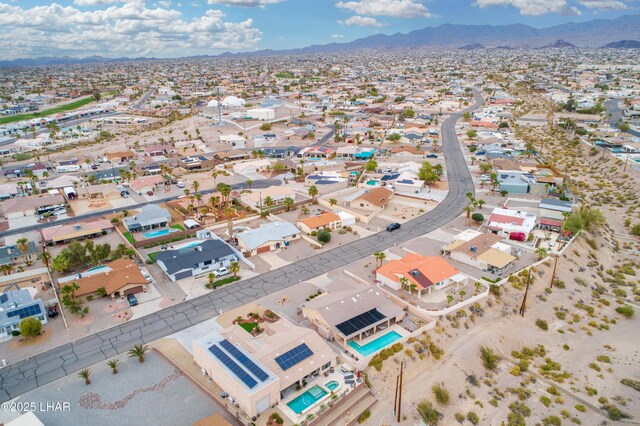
362 21
395 8
130 29
604 4
534 7
244 3
93 2
337 36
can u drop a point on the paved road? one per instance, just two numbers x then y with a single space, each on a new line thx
261 183
613 108
44 368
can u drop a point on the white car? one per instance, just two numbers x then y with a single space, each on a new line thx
221 272
180 184
147 277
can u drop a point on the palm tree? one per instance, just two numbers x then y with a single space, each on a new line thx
542 253
380 256
224 190
249 184
138 351
412 288
195 185
23 246
45 256
468 210
214 175
404 283
234 268
288 202
313 193
85 373
449 299
462 294
229 213
212 278
304 211
268 201
7 269
333 201
302 169
481 203
113 364
478 285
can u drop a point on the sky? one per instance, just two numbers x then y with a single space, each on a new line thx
174 28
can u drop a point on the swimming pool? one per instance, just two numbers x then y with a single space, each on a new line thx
97 268
375 345
159 233
372 182
307 400
332 385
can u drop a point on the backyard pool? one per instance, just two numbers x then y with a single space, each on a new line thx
159 233
98 268
332 385
306 400
375 345
372 182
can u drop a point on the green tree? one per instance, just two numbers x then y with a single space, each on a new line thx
428 413
113 364
324 236
70 301
472 134
30 327
23 246
380 257
371 165
394 137
234 268
313 193
584 218
85 374
265 127
138 351
427 173
249 183
288 202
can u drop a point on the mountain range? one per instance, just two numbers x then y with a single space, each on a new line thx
610 33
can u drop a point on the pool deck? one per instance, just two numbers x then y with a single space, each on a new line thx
321 381
395 327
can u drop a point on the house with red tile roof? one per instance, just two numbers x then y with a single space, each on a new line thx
422 273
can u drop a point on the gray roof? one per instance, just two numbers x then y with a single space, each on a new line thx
274 231
553 204
149 214
13 301
12 252
189 257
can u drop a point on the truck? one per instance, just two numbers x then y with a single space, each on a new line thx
68 168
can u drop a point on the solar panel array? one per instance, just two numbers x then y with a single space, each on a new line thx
244 360
29 311
3 298
239 372
360 322
294 356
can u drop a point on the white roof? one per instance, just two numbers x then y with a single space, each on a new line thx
274 231
232 101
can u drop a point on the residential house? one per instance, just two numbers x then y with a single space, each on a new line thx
233 140
256 198
145 184
90 228
268 237
120 156
487 252
159 150
351 315
373 200
317 223
257 370
232 155
197 162
12 255
196 260
407 151
552 208
16 305
29 206
512 224
254 166
149 217
118 278
423 272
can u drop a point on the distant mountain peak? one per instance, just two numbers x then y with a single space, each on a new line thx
472 46
622 44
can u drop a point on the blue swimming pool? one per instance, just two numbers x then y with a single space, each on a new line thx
307 399
159 233
332 385
375 345
97 268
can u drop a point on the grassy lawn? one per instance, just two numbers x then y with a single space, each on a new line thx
177 226
249 326
218 283
153 255
62 108
129 237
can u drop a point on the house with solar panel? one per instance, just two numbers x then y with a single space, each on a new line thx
361 320
259 371
16 305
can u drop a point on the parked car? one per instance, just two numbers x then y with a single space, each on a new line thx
432 156
221 272
180 184
133 301
149 192
393 226
147 277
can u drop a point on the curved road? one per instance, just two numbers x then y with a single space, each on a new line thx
66 359
617 113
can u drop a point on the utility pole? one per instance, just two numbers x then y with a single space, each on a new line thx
625 163
526 292
553 274
400 392
395 399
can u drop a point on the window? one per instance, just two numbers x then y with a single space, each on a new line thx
327 365
208 262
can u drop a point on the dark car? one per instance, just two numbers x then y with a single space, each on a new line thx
149 192
132 300
432 156
393 226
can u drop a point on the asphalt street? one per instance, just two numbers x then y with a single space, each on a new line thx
613 108
66 359
261 183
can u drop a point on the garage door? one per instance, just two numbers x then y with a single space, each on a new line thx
264 249
183 274
134 290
